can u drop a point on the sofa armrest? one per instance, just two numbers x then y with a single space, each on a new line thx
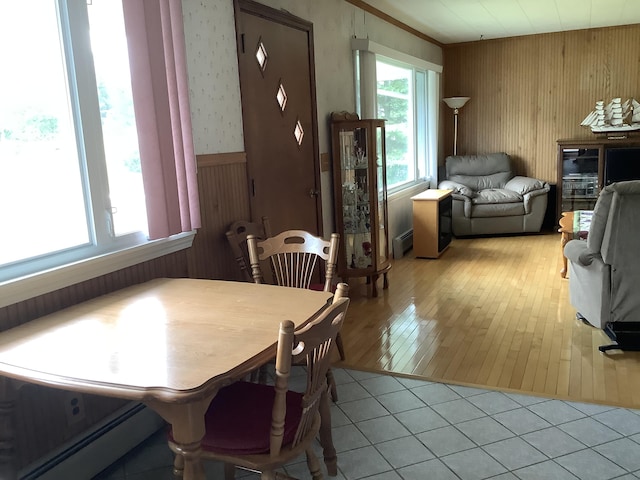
524 185
458 188
577 252
535 193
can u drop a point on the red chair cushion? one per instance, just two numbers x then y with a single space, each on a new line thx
320 287
238 420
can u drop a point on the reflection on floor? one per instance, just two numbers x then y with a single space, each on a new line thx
389 428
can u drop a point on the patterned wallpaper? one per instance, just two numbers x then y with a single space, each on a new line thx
213 65
213 76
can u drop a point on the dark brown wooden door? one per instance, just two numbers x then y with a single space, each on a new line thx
275 58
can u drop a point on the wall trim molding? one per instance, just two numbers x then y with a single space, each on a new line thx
217 159
364 44
17 290
393 21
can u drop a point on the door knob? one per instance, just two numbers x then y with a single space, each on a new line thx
313 193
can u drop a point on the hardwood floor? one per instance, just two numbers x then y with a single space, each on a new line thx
491 312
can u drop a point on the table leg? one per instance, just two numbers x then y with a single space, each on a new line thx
374 286
189 461
564 238
326 439
187 424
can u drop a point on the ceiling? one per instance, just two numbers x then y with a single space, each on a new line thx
453 21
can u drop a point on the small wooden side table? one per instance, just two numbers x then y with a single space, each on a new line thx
568 231
431 222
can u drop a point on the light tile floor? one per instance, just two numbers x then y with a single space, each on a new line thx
394 428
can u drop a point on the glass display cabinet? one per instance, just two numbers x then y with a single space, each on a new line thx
585 166
578 169
359 179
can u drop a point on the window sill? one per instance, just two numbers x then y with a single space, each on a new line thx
20 289
408 191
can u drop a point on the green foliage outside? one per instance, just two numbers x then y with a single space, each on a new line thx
393 108
36 126
117 122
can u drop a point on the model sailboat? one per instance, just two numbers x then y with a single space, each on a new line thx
616 116
635 112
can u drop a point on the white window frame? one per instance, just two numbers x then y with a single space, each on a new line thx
366 53
105 253
23 288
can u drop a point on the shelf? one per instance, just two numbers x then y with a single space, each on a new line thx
580 197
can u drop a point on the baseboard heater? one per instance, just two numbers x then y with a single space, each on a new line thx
88 454
402 244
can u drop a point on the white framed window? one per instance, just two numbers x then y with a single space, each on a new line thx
404 91
70 179
396 100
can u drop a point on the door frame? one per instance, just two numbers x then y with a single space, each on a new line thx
285 18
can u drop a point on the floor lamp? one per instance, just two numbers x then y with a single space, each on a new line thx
456 103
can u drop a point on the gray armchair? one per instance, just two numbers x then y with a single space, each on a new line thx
489 199
604 269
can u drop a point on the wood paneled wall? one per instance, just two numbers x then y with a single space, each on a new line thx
528 92
174 265
224 199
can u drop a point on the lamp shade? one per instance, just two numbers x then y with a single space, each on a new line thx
456 102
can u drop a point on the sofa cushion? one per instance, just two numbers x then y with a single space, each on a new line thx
497 210
626 202
599 220
497 195
477 164
524 185
480 182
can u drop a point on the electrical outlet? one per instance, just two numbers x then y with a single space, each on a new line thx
74 407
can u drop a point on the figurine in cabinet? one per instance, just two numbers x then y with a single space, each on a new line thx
358 149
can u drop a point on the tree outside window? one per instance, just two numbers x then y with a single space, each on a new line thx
395 105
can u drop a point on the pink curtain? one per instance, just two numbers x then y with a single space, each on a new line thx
155 34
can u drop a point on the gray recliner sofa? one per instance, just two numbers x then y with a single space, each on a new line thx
489 199
604 269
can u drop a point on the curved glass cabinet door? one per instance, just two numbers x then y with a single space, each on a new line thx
361 196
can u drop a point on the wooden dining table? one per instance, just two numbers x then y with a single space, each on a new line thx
169 343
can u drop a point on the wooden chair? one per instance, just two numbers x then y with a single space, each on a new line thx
237 237
341 291
293 257
263 427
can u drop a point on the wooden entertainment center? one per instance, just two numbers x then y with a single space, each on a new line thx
585 166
